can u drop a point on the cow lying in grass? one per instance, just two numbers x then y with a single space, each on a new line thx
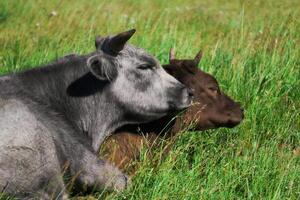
212 109
54 118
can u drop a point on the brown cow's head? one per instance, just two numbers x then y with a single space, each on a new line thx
212 108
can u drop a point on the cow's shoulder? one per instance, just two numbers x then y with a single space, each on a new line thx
20 126
27 150
15 115
11 105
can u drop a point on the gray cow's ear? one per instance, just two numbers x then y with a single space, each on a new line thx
102 68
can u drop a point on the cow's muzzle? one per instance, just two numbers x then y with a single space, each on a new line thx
182 98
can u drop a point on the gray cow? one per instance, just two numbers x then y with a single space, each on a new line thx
54 118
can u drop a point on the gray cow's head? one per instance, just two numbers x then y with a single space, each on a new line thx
137 80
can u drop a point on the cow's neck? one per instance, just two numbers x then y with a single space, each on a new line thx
67 87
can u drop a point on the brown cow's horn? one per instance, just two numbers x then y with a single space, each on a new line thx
198 57
117 42
171 55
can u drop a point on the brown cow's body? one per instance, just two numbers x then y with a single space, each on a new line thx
212 109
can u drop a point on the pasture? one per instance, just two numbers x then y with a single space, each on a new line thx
251 47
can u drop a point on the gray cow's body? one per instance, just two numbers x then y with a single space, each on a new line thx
39 140
26 142
54 118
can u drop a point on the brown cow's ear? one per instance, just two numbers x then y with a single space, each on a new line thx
116 43
170 69
198 57
102 68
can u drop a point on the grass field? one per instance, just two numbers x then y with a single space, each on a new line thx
251 47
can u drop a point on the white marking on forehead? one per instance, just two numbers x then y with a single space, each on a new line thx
135 55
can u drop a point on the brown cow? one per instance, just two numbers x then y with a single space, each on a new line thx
212 109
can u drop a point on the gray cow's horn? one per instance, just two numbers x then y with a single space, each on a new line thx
117 42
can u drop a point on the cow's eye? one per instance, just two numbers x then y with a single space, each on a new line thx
145 67
214 89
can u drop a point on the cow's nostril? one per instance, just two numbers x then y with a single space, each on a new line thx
190 92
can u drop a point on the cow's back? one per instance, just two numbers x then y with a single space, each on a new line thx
27 151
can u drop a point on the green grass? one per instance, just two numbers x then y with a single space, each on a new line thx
251 47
